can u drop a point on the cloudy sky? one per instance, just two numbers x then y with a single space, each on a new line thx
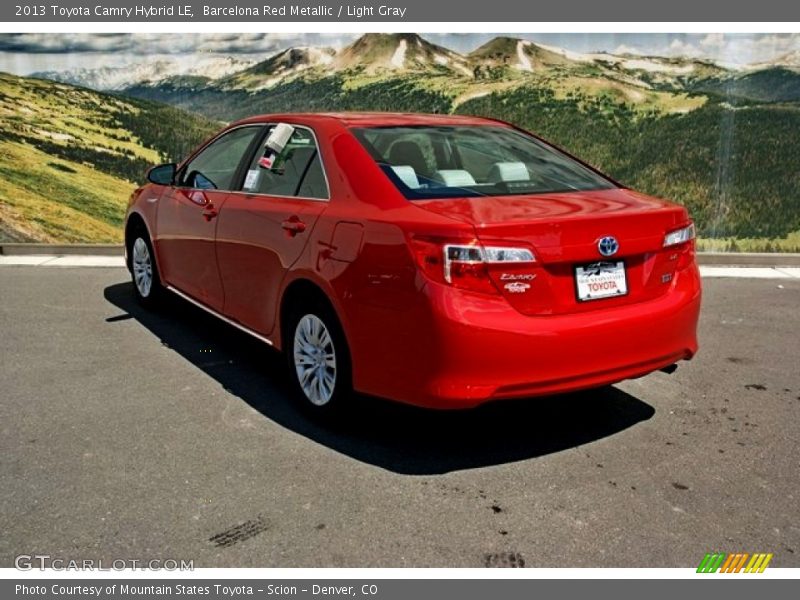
26 53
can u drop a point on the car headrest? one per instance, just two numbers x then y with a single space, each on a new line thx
508 171
454 177
407 175
408 153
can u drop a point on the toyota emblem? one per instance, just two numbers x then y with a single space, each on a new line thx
608 246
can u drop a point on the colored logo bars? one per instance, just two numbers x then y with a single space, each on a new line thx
734 563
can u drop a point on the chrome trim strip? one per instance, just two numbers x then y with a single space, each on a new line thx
268 196
211 311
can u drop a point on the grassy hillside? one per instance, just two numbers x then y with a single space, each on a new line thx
70 157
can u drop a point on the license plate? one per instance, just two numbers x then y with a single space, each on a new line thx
601 280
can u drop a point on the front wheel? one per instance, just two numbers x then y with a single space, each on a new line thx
146 282
319 361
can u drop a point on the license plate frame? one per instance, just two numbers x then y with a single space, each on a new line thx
615 272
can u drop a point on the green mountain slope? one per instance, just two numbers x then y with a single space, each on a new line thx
732 167
768 85
681 129
70 157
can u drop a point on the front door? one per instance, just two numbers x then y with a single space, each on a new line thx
188 215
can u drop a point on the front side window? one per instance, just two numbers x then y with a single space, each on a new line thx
458 161
297 171
214 168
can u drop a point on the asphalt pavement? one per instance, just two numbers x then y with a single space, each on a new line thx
127 434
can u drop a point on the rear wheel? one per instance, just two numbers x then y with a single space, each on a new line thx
319 360
146 282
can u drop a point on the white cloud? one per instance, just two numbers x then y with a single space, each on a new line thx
679 47
29 52
713 40
154 43
623 49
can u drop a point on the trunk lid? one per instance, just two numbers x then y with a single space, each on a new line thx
564 231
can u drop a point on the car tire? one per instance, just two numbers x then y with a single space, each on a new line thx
144 272
319 361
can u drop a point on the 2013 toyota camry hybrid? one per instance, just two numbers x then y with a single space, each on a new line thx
442 261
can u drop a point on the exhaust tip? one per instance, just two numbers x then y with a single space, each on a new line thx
670 369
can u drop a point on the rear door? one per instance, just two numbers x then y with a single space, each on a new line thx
265 227
188 211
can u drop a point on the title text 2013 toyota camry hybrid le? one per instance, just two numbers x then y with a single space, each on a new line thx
442 261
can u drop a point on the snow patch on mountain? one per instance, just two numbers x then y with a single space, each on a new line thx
587 57
399 56
121 77
652 66
524 61
790 60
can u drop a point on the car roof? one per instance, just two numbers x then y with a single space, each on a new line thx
372 119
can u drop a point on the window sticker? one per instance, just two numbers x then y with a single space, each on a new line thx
251 181
267 160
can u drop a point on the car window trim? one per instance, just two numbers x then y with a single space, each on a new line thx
182 167
300 184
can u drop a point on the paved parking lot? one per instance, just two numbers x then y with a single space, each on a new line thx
127 435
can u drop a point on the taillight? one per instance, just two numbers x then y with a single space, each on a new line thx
679 236
466 265
682 240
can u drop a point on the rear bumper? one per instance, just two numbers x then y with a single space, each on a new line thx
476 349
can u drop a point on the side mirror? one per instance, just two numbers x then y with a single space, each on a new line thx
162 174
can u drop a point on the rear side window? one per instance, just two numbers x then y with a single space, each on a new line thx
297 172
449 162
214 168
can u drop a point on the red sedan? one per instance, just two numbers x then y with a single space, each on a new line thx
442 261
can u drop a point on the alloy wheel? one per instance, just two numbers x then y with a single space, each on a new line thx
142 267
315 360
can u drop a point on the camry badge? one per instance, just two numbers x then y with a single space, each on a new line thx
608 246
517 287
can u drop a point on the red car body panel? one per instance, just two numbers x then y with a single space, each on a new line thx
186 242
415 339
254 254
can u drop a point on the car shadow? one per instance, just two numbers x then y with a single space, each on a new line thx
396 437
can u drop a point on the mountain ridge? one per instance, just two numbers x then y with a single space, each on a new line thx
119 77
375 52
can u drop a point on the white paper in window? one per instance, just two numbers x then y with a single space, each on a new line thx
251 181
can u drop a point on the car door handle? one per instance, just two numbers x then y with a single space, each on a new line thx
209 212
294 225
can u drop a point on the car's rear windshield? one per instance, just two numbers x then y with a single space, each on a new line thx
427 162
